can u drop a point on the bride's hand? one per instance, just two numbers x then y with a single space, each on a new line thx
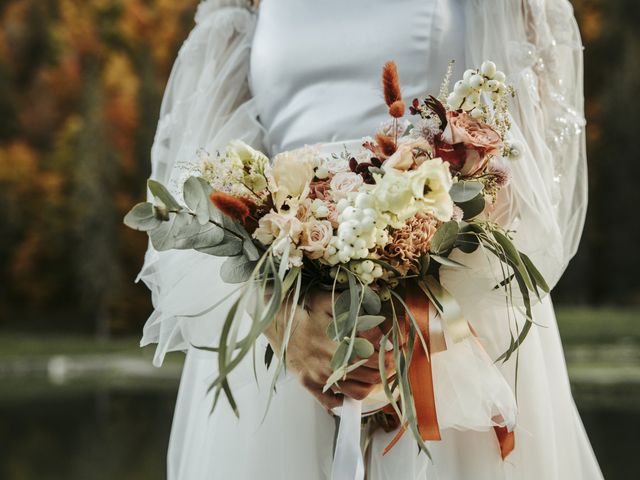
310 350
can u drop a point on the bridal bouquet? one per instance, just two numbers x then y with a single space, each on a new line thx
374 226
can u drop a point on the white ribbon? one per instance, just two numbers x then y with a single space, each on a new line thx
348 463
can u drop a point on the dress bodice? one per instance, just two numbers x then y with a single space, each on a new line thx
315 65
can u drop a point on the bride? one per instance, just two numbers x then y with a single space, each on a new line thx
294 72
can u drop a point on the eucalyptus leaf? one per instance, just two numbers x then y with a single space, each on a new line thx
367 322
335 377
425 261
464 191
473 207
196 193
163 238
363 347
237 269
514 256
447 262
339 357
535 273
142 217
338 328
342 303
199 236
160 192
230 246
371 302
445 237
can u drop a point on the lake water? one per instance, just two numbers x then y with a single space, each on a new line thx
100 433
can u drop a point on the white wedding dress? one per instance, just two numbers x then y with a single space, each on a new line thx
302 72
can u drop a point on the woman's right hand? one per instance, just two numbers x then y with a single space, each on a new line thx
310 350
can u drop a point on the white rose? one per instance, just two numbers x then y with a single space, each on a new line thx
344 183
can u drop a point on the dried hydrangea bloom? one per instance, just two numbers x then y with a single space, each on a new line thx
409 243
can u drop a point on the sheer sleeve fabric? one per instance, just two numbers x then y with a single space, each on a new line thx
206 104
537 44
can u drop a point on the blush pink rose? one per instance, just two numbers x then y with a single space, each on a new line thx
344 183
467 144
315 238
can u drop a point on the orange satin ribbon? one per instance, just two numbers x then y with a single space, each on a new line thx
421 379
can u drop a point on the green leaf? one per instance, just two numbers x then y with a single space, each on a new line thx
339 357
425 261
371 302
447 262
516 343
161 193
338 328
196 196
367 322
237 269
445 237
363 347
142 217
468 241
342 303
463 191
473 207
535 273
513 255
229 247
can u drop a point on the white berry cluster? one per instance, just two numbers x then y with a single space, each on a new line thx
360 229
366 270
466 92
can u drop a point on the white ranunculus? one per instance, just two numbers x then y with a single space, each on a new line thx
291 173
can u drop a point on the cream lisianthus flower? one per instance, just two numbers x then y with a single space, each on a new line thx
430 185
425 189
291 173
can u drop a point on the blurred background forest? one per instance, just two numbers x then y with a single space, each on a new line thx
80 88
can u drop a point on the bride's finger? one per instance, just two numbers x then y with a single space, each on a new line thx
373 361
370 376
328 399
355 390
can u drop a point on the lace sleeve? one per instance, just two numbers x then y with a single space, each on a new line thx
206 104
558 66
537 44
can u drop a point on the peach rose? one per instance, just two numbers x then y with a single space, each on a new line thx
315 238
467 144
407 155
275 226
344 183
